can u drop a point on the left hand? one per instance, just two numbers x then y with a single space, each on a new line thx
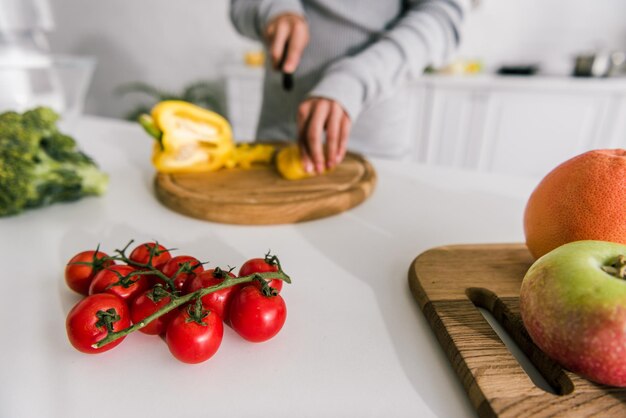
317 115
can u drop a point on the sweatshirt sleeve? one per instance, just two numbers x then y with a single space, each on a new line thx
250 17
426 34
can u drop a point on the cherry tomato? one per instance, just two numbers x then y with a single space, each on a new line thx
171 267
261 265
78 276
111 280
217 302
193 342
141 254
92 318
257 317
148 303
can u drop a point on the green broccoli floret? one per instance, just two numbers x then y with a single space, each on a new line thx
40 165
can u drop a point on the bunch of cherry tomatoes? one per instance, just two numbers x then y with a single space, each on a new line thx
172 296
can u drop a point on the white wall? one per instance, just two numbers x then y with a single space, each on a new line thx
543 30
171 43
162 42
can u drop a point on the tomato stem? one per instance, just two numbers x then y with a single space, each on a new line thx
157 293
126 281
150 268
266 289
107 318
96 263
272 260
219 273
197 313
181 300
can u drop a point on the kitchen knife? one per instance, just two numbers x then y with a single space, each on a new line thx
287 77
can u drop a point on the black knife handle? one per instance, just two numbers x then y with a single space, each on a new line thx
287 77
287 81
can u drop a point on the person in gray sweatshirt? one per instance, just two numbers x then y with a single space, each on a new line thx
351 62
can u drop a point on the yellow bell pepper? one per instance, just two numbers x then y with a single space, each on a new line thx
289 163
246 155
193 139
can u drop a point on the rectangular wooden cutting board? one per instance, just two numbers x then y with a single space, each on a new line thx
449 283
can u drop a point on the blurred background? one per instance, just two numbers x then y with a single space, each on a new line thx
510 89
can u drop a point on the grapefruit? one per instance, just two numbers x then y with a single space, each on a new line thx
584 198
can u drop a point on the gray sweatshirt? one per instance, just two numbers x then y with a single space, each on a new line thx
362 54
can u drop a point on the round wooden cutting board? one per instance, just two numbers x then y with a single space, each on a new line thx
260 196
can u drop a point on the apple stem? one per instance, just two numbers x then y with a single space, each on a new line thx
617 268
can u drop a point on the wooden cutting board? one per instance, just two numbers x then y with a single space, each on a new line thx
448 283
260 196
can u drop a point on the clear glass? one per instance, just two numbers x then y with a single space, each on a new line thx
58 81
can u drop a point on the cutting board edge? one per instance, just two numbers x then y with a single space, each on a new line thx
418 291
329 205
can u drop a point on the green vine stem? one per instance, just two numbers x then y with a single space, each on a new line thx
181 300
149 268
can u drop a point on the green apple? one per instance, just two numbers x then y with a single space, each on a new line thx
573 304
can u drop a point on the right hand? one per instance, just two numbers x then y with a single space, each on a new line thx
287 35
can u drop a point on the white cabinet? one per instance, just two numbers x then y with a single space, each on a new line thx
452 124
531 133
519 126
612 132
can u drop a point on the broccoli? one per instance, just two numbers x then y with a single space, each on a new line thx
40 165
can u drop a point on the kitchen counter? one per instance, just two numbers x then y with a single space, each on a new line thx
354 344
529 84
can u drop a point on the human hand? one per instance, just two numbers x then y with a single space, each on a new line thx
287 35
316 115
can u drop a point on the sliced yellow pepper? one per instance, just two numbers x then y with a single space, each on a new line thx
289 163
193 139
246 155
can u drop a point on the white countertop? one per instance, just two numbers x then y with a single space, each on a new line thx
562 83
530 84
355 343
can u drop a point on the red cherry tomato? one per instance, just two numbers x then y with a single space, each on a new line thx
145 305
217 302
111 280
193 342
92 318
257 317
79 276
260 265
172 266
142 254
